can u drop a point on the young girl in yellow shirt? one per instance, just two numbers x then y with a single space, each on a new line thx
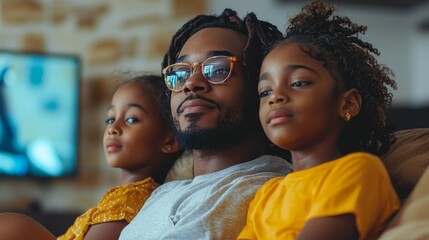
139 141
324 97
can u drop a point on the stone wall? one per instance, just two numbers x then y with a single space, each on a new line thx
110 37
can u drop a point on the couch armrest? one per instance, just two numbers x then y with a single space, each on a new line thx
407 159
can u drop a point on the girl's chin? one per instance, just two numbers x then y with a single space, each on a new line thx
281 141
113 163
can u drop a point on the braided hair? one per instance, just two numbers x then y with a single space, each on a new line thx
335 41
260 36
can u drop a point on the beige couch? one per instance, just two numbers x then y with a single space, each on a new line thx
407 159
407 163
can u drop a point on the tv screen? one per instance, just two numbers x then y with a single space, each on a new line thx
39 104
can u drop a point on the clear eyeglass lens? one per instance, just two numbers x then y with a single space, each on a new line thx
215 70
176 76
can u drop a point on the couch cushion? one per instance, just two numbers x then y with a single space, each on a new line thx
182 169
413 218
407 159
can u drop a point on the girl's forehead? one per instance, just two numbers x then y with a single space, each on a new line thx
133 90
292 54
310 53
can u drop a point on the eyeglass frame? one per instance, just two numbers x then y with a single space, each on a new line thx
193 66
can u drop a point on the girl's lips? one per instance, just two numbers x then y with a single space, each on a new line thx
113 146
279 116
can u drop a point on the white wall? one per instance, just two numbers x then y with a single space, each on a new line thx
390 30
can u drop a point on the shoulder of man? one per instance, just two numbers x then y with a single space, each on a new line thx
271 164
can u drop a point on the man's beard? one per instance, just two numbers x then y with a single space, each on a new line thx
228 132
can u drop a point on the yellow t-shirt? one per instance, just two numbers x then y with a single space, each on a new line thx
357 183
119 203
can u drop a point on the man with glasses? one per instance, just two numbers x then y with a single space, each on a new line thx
212 70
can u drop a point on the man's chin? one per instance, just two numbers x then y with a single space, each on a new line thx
198 119
217 138
196 125
206 132
196 138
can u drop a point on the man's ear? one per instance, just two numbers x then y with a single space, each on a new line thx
170 145
350 104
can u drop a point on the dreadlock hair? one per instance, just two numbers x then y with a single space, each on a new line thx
334 41
260 36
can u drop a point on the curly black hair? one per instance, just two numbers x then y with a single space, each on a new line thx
334 40
158 90
260 36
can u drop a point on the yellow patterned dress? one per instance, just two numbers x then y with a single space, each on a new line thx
119 203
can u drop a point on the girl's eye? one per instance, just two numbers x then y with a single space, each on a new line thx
132 120
110 121
265 93
299 84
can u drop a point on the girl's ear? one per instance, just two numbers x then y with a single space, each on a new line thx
350 104
170 145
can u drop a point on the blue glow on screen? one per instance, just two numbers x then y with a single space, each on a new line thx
39 99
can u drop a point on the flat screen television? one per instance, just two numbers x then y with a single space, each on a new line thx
39 120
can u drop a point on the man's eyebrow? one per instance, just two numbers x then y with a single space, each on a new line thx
219 53
183 58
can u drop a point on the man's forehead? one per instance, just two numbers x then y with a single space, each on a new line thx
212 42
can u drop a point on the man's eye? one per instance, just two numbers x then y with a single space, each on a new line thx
300 84
265 93
221 70
132 120
110 121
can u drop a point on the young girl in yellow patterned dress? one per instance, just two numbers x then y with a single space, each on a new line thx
139 141
324 97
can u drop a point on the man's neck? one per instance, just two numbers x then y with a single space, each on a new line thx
209 161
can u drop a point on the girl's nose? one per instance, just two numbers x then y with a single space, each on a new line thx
276 98
112 130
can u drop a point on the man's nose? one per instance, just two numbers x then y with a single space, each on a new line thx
197 82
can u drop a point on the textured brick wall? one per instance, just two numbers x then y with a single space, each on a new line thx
110 36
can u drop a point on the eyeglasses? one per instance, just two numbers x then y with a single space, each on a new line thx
216 70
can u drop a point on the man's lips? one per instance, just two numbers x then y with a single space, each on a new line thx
279 116
196 104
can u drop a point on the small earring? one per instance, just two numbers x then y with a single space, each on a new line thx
169 148
347 117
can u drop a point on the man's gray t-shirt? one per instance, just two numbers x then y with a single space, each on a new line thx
210 206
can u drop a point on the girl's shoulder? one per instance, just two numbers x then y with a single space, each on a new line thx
363 162
130 191
361 158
